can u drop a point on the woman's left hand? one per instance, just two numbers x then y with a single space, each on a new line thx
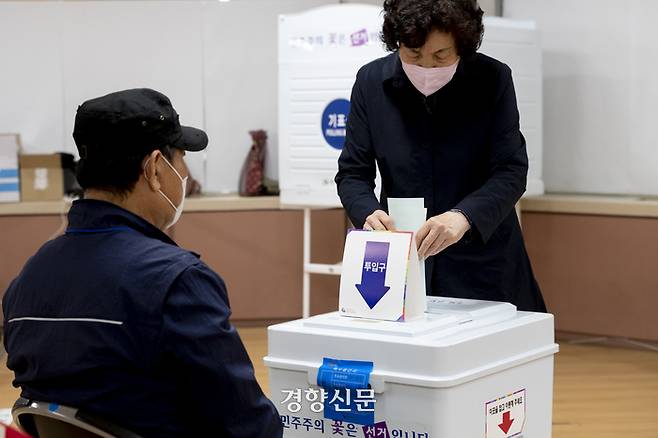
439 232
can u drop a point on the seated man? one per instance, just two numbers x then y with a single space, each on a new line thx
113 317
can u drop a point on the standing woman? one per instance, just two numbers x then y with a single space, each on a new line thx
441 122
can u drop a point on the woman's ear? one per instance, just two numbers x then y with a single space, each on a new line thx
149 170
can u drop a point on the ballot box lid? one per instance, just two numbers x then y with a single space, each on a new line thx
456 340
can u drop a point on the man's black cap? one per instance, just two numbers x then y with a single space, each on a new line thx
131 123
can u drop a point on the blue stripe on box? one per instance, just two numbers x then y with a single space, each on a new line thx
9 187
8 173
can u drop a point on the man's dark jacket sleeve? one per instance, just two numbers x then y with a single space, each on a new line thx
216 373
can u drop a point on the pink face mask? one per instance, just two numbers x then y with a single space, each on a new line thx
429 80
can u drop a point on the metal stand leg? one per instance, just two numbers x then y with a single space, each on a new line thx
312 268
306 282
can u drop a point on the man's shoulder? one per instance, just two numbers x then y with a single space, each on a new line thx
128 257
148 249
198 276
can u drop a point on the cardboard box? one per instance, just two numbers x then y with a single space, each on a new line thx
10 145
42 178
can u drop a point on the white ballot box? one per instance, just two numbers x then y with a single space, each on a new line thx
466 369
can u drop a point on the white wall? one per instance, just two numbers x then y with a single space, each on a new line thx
488 6
109 46
216 61
241 77
31 84
600 93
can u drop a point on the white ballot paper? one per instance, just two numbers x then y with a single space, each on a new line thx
381 277
409 214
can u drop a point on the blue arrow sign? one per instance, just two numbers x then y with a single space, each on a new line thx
375 262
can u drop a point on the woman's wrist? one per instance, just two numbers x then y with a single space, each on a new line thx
468 220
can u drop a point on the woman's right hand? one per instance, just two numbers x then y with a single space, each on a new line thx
379 221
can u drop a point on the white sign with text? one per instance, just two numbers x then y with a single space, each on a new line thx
381 277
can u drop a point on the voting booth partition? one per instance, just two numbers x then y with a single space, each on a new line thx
320 52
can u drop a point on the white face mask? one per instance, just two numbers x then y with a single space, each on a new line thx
178 210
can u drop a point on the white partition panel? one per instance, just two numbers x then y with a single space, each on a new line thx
516 43
600 92
320 52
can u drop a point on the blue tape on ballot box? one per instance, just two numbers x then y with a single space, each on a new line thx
347 387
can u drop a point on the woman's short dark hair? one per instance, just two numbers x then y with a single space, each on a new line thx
409 22
117 175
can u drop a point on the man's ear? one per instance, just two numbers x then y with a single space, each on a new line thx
149 169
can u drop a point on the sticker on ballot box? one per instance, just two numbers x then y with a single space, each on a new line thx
349 397
505 416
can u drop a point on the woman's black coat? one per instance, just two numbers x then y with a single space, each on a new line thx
458 148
